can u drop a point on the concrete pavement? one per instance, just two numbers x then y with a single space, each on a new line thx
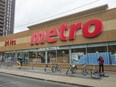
77 79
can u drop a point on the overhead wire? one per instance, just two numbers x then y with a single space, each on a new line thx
57 14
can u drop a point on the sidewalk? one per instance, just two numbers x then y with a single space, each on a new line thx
62 78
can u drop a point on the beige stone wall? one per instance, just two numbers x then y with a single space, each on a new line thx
107 17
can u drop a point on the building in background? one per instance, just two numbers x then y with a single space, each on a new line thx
7 11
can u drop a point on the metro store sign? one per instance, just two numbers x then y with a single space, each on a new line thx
50 36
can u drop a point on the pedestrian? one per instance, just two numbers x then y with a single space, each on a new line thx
19 62
101 65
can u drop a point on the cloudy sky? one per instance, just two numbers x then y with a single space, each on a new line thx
29 12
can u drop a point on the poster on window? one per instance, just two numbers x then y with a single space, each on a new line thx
75 58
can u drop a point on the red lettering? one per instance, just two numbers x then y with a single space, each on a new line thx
37 37
62 30
73 29
98 26
10 42
50 34
14 42
6 43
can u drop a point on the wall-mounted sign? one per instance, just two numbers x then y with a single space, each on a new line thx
10 42
51 35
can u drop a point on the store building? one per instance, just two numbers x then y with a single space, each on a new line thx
77 38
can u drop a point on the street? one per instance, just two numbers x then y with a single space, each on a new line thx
16 81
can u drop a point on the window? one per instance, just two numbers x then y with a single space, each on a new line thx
95 50
78 54
63 54
112 53
51 55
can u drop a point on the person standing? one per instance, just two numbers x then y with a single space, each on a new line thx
101 65
19 62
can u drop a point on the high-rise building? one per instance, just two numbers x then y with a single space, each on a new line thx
7 11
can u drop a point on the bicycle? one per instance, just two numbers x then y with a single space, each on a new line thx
84 70
94 73
72 69
55 68
8 62
45 67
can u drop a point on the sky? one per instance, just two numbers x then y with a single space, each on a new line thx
30 12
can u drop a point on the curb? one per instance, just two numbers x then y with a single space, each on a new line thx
24 75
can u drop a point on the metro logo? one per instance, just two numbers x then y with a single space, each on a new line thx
37 37
73 29
97 30
62 30
51 34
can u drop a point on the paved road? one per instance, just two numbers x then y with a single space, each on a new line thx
15 81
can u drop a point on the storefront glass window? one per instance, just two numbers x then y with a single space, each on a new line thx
9 56
78 54
13 56
96 50
32 55
25 56
112 52
19 53
1 57
63 54
41 55
51 55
